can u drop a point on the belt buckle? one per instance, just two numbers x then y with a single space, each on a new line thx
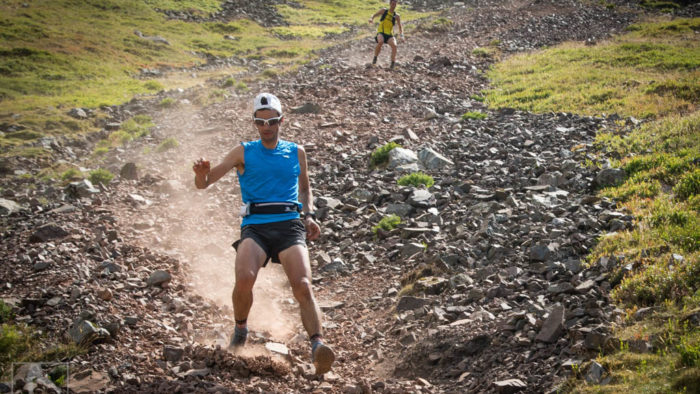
244 210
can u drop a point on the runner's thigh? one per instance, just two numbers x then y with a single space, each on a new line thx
295 260
249 257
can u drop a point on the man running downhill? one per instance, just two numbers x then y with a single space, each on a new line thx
277 219
385 30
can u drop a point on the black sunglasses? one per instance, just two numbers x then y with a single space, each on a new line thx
271 121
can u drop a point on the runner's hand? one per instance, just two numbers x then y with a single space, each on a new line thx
201 167
313 230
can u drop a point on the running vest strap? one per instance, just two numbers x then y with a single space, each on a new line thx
386 25
270 175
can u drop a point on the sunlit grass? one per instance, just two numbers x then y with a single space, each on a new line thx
650 71
60 54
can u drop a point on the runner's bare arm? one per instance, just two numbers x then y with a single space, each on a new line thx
313 231
376 14
398 22
234 159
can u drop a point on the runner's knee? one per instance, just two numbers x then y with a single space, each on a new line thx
302 289
245 279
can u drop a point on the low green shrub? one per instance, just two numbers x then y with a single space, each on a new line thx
71 174
120 137
688 185
634 187
100 176
137 127
100 150
6 313
13 342
690 354
416 179
228 82
474 115
153 86
387 223
380 155
167 144
655 283
483 52
270 73
241 87
167 102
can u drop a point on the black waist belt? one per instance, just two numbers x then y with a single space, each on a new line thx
274 207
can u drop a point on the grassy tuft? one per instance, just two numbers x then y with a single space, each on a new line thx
474 115
167 144
688 186
100 176
484 52
416 179
387 223
436 25
666 6
228 82
167 102
6 313
22 343
380 156
71 175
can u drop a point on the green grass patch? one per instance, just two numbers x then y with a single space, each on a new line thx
435 25
650 71
167 144
167 102
634 187
474 115
229 82
138 126
484 52
666 6
688 186
416 179
241 87
6 313
661 159
71 175
60 54
197 7
100 175
387 223
670 368
380 156
22 343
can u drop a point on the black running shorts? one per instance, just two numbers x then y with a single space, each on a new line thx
387 37
274 237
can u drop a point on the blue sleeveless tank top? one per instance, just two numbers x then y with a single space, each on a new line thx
270 175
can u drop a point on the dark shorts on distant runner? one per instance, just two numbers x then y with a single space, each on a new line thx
387 37
274 237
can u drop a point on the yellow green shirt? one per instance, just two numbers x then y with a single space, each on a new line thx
387 25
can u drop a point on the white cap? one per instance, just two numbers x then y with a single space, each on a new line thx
267 101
